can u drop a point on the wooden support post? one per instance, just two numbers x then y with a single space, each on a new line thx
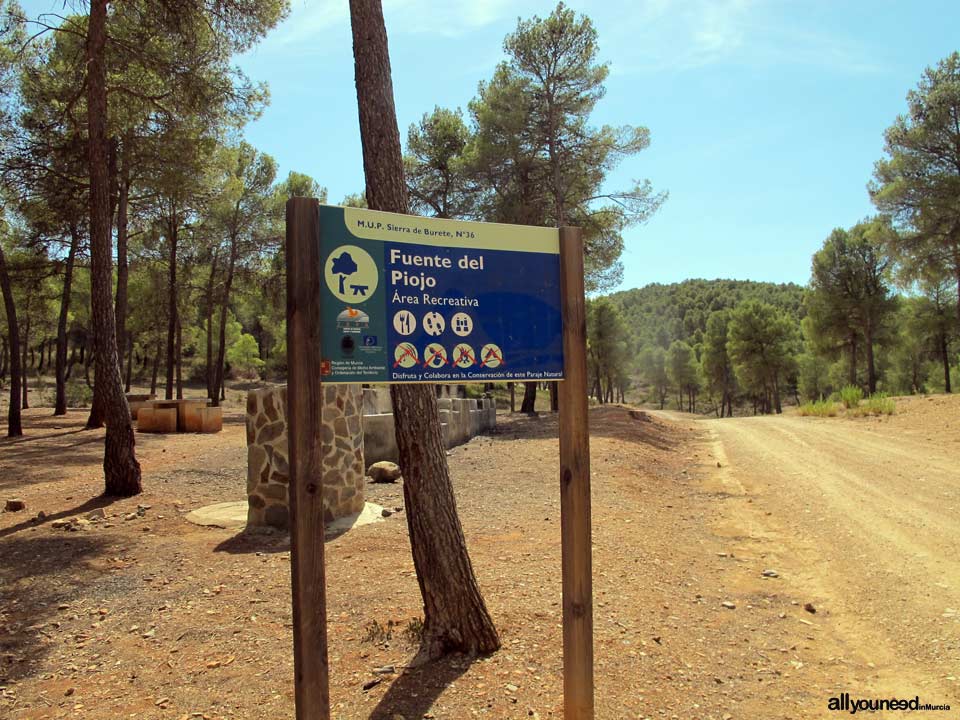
304 408
577 564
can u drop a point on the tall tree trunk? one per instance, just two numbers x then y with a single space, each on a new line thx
123 194
455 616
871 365
179 359
120 466
172 311
95 418
126 383
554 398
211 375
513 396
529 403
945 354
24 344
14 425
60 370
156 368
853 360
222 342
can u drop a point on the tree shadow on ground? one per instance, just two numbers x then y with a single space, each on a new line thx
266 540
415 691
611 421
39 574
101 501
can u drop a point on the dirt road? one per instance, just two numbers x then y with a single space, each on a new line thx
863 517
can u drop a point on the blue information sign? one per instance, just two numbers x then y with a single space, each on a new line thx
411 299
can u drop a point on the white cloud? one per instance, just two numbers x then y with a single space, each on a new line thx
310 20
671 36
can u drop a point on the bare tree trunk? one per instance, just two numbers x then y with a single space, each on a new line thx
945 354
60 370
853 360
211 376
24 344
179 351
126 384
222 343
156 369
95 418
120 466
14 425
554 398
172 311
455 616
871 365
529 403
513 397
123 194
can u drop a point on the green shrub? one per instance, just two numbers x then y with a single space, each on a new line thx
876 404
820 408
851 396
79 394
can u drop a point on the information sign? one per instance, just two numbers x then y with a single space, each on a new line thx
411 299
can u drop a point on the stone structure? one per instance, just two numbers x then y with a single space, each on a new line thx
358 429
460 420
267 467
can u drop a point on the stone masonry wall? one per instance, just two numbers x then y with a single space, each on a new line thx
267 468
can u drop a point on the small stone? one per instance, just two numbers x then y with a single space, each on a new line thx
809 608
511 687
770 573
97 514
15 505
384 472
59 524
130 516
372 683
729 605
386 513
69 692
718 463
385 670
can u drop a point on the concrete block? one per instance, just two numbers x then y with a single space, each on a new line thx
211 419
379 442
158 420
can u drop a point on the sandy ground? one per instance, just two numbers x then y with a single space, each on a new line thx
153 617
863 516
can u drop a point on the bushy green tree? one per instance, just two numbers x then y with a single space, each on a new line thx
759 345
917 183
681 364
850 296
715 361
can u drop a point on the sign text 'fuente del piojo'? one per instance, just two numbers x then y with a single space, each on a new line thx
411 299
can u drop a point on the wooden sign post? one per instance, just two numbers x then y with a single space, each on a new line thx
304 418
575 537
306 366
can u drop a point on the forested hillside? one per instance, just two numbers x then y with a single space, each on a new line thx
659 314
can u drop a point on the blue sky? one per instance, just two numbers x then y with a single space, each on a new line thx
765 116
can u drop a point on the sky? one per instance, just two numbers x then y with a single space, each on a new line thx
766 116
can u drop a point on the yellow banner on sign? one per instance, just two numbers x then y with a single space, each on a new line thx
394 227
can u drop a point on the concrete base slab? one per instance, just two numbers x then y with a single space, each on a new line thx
233 516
